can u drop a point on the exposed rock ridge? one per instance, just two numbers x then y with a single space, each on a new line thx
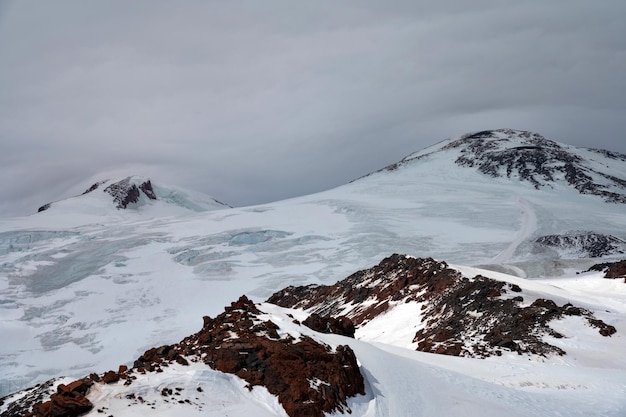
367 293
587 244
612 270
530 157
35 395
461 316
238 342
126 192
68 401
94 186
536 160
309 378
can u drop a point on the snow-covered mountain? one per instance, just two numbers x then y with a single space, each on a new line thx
131 195
80 293
529 157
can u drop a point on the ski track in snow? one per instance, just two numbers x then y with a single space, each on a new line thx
527 228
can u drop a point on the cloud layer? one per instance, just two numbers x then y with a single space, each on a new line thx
256 101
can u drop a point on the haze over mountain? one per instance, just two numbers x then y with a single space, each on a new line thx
87 284
254 103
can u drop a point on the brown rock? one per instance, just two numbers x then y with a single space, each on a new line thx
285 367
110 377
341 325
462 316
68 401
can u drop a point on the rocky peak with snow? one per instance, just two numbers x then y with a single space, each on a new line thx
308 377
127 191
124 192
135 192
460 316
529 157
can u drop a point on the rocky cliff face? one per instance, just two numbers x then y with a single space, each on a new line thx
461 316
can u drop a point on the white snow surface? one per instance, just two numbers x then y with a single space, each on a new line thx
83 290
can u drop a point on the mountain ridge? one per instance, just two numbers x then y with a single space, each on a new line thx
453 307
270 347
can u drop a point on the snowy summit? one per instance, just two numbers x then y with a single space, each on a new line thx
132 194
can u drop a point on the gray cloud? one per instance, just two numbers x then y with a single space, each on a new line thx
257 101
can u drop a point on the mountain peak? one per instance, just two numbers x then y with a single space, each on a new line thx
503 139
135 192
531 158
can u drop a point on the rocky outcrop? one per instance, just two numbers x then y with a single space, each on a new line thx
68 401
337 325
612 270
616 270
94 187
126 192
308 377
460 316
584 244
26 398
538 161
529 157
367 293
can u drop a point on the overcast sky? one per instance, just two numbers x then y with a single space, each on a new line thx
255 101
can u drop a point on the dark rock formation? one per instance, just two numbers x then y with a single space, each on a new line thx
613 270
616 270
94 187
309 378
462 316
530 157
340 325
68 401
539 161
586 244
125 192
35 395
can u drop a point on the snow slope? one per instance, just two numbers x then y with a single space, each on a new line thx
80 291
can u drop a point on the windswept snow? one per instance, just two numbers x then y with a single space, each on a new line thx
193 390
